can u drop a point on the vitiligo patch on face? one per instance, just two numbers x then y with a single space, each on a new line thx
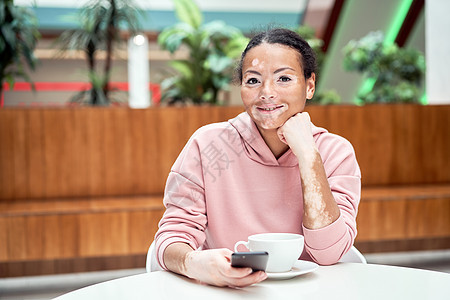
255 62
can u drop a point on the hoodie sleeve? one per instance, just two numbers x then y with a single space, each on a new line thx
185 217
327 245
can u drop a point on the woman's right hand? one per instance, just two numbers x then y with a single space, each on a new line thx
213 267
209 266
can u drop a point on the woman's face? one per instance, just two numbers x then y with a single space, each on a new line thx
273 85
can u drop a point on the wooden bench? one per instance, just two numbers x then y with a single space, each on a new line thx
81 189
46 236
404 218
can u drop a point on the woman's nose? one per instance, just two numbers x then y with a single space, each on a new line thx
267 92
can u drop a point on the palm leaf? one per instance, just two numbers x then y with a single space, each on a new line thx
18 38
184 67
187 11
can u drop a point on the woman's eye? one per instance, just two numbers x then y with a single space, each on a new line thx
252 81
284 79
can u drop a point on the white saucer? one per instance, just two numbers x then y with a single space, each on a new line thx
300 267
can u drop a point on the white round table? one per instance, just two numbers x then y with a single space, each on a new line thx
340 281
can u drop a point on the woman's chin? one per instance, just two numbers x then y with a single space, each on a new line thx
268 121
269 126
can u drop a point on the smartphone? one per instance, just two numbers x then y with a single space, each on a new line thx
255 260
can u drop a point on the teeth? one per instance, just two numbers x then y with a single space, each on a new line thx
269 109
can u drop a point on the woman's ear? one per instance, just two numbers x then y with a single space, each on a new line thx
310 86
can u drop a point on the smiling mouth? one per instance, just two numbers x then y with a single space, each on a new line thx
269 109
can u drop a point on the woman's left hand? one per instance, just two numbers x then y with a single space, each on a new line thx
296 132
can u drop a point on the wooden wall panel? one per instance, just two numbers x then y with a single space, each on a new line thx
58 155
138 151
52 236
381 220
428 218
20 157
36 170
394 144
116 239
118 151
171 137
405 142
374 147
91 235
79 180
16 242
142 229
112 153
71 265
95 148
153 179
196 118
7 121
435 137
384 220
69 235
49 237
35 231
104 234
4 238
97 228
229 112
318 116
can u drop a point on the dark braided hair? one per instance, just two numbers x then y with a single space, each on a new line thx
283 37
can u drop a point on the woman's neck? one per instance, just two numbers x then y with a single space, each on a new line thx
274 143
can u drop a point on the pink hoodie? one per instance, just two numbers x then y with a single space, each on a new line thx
226 185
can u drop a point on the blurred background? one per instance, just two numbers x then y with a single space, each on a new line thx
98 98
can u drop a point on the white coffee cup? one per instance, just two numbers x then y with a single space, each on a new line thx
284 249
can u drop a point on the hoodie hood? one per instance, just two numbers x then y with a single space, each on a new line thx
256 148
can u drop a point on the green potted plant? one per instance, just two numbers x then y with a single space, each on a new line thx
100 25
18 37
396 73
212 47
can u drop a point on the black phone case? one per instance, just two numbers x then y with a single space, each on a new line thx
255 260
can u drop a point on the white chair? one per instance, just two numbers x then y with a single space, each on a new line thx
353 255
152 264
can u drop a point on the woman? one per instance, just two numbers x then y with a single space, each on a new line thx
267 170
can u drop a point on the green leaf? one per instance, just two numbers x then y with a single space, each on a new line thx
183 67
168 82
165 34
219 30
18 37
187 11
218 63
2 45
10 80
96 80
208 96
2 12
9 36
173 42
306 32
171 94
236 46
172 37
101 98
221 82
